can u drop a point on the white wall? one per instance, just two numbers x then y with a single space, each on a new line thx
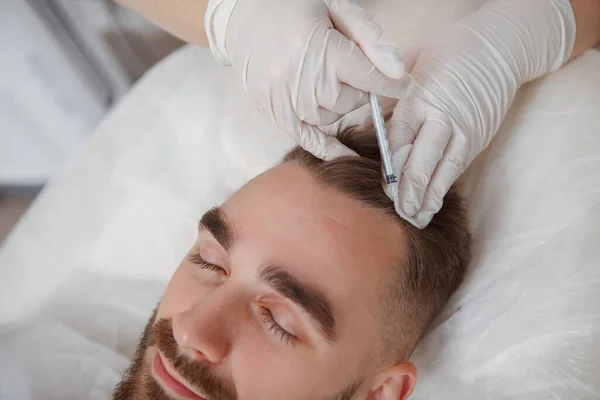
47 106
50 97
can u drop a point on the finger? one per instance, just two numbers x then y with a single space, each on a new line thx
388 104
446 173
403 126
319 144
321 117
410 57
410 220
357 25
355 69
399 159
346 100
428 150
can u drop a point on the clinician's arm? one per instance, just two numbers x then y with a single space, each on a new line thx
185 19
304 63
468 77
181 18
587 16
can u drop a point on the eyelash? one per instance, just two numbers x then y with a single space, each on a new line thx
265 313
285 336
198 260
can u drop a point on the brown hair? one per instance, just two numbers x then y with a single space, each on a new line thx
438 255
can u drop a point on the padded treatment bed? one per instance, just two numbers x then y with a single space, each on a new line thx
83 269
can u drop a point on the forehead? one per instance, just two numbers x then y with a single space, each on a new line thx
319 234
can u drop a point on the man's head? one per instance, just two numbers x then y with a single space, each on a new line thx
305 284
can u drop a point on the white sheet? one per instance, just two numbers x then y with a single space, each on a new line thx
93 254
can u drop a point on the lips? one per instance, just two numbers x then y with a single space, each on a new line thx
167 380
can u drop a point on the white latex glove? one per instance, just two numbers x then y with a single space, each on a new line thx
300 63
466 80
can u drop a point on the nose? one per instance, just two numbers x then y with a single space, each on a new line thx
203 331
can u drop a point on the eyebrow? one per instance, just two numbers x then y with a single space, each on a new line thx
311 300
215 222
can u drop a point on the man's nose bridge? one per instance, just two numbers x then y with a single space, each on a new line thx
219 310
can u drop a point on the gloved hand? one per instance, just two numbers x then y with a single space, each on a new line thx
466 80
300 63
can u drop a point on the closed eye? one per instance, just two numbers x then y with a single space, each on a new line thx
268 318
195 258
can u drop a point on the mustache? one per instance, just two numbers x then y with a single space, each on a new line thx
196 374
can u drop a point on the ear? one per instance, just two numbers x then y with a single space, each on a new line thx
394 383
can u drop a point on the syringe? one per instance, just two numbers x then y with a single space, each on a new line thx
384 147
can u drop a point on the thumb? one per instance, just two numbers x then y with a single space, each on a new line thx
353 21
399 159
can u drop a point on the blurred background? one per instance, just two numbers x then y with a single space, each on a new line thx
64 63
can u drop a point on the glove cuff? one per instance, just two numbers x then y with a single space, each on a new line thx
565 11
216 22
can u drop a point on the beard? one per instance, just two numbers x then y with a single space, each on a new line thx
137 382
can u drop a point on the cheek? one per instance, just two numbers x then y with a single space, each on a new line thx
263 373
267 372
183 292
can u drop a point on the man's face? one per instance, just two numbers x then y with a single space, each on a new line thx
279 298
